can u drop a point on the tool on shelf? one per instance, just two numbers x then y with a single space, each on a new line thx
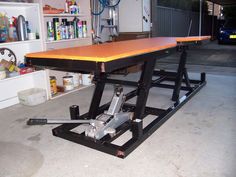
8 59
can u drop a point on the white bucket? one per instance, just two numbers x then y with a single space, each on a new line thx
87 79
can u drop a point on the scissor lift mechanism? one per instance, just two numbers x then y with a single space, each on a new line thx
140 110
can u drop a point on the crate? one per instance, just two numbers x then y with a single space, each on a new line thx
32 97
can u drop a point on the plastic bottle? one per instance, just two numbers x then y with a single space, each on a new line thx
56 29
3 28
64 29
67 30
12 32
71 30
50 31
75 21
80 29
66 7
84 26
73 7
76 8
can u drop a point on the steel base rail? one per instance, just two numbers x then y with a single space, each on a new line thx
139 134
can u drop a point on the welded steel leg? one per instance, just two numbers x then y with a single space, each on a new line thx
180 74
187 81
97 96
143 88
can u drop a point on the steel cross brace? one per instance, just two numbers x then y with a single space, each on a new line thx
178 77
141 111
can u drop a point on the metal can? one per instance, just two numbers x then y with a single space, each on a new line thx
68 83
50 31
53 85
76 79
57 35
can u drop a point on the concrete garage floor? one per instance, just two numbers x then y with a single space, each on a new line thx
198 141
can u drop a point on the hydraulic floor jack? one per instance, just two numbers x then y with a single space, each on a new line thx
105 123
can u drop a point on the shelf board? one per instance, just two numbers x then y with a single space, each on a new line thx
3 44
18 4
20 76
60 94
67 40
63 15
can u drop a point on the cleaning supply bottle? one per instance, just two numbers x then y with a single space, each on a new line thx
12 31
84 26
80 29
66 7
75 21
57 34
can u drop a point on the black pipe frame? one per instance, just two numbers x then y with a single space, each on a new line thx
141 111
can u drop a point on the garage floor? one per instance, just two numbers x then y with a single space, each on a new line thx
198 141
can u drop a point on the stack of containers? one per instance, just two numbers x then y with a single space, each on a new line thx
66 29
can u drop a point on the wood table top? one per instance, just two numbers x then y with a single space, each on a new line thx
191 39
108 51
115 50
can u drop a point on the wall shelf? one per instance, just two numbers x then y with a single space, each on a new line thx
60 94
11 86
68 40
4 44
64 15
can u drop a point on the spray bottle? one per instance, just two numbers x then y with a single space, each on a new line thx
80 29
84 26
12 31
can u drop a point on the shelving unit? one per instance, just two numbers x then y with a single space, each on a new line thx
60 94
83 15
50 45
64 15
10 86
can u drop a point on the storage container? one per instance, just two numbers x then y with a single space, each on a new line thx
32 97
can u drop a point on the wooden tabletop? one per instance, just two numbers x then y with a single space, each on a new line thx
108 51
115 50
191 39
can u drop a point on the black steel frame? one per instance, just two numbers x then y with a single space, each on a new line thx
141 91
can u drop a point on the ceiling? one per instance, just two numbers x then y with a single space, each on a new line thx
224 2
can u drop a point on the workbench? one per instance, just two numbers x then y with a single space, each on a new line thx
106 58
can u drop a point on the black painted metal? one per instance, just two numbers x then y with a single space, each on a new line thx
141 111
122 82
187 82
139 134
91 66
97 96
143 87
180 73
74 112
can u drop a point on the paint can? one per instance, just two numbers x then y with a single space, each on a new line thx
87 79
76 78
68 83
53 85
